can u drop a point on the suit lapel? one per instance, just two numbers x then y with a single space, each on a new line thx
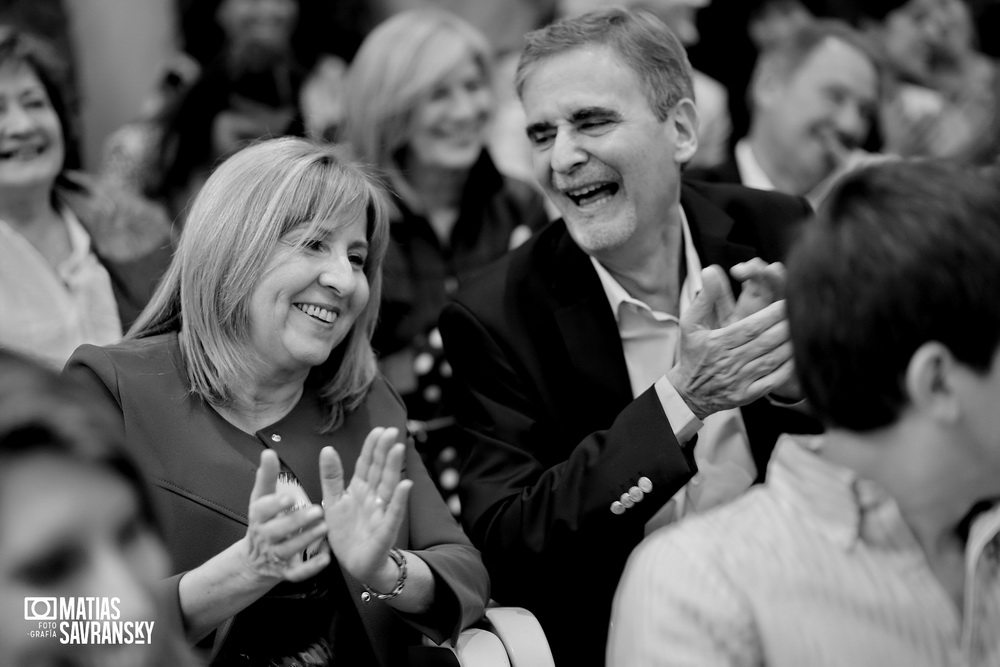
587 328
710 230
589 331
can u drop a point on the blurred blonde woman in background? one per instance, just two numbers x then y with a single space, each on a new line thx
419 102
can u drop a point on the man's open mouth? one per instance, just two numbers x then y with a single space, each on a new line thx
589 195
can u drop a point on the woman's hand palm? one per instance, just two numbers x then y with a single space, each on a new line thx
363 520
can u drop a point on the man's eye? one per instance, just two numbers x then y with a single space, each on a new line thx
592 125
541 137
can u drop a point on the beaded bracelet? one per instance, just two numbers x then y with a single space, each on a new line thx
399 558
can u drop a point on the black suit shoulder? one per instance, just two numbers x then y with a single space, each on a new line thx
726 172
733 197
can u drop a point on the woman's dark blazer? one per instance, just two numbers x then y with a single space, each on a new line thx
202 482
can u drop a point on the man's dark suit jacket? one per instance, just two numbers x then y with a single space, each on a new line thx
555 436
726 172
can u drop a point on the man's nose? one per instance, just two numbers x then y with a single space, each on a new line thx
567 154
852 121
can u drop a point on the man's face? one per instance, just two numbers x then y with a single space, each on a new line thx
599 151
822 110
921 32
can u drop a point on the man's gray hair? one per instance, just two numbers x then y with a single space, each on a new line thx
641 40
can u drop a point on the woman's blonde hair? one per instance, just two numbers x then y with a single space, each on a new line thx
237 219
398 66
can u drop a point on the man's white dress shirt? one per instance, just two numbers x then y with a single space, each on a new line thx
650 340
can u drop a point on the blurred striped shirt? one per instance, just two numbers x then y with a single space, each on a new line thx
815 568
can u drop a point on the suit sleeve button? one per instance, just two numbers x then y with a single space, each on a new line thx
617 508
627 501
636 494
645 484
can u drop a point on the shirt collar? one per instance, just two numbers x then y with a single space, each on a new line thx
617 295
844 506
751 173
79 240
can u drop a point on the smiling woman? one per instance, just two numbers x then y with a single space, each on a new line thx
78 259
256 350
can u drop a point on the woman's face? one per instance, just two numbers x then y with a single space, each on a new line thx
70 530
31 138
449 127
313 290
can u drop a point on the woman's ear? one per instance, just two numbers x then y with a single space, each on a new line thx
929 382
683 121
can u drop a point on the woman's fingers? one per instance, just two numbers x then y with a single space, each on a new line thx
392 471
382 444
266 480
331 474
286 525
267 507
299 542
387 530
307 568
365 458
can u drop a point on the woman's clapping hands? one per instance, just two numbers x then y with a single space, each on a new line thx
278 534
360 521
363 519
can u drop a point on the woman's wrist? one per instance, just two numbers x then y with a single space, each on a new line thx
388 576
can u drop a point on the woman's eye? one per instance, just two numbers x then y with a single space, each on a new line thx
357 259
316 245
439 94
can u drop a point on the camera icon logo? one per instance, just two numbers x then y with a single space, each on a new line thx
40 609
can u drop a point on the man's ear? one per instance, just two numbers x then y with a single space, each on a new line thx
930 382
683 121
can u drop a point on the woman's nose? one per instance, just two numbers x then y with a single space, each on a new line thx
469 104
17 120
338 275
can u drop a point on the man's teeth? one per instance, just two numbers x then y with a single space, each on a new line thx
591 195
321 314
583 192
